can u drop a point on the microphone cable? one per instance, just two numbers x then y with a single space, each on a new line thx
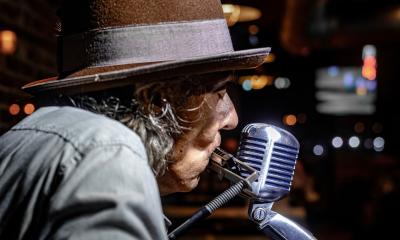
206 210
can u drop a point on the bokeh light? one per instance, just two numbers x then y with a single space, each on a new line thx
253 40
270 58
359 127
290 120
379 144
337 142
238 13
8 42
282 83
354 142
255 82
230 145
333 71
29 109
318 150
14 109
260 82
246 85
253 29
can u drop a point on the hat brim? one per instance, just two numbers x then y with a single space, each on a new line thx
244 59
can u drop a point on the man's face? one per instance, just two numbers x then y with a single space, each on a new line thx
205 113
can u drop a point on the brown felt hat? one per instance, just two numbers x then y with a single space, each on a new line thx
108 43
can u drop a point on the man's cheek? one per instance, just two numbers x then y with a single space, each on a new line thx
192 164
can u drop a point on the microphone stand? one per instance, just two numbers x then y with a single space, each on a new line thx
209 208
275 225
269 222
227 195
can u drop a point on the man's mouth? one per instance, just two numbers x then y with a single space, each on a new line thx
216 143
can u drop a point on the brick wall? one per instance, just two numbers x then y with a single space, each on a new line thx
34 23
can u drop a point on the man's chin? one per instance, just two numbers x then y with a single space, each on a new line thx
168 185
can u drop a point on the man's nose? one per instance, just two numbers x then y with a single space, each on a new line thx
231 119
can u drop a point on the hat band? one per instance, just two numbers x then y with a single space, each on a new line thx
144 43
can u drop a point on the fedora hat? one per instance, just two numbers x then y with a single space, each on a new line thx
108 43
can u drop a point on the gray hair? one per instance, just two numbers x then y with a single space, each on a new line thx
155 128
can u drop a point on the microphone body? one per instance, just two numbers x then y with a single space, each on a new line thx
273 152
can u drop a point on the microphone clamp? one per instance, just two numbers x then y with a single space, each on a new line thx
227 166
275 225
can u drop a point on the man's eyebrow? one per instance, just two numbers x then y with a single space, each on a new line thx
222 84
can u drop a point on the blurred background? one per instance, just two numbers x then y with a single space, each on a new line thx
331 80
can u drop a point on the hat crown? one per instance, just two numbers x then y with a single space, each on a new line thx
84 15
108 43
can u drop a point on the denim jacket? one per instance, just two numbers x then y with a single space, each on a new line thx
66 173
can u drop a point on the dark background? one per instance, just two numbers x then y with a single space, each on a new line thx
346 193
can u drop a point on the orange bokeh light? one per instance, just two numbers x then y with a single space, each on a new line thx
361 91
269 58
370 61
259 82
359 127
230 145
8 42
290 120
369 72
253 29
29 108
14 109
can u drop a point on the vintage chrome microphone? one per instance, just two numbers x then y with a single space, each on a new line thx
266 161
272 152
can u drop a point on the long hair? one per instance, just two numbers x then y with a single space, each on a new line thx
156 122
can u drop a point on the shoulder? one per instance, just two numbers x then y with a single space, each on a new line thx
83 129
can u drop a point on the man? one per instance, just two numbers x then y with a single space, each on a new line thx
135 113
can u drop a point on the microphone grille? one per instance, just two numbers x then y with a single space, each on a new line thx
273 152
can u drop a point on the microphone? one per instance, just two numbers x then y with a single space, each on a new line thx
262 171
266 161
272 152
